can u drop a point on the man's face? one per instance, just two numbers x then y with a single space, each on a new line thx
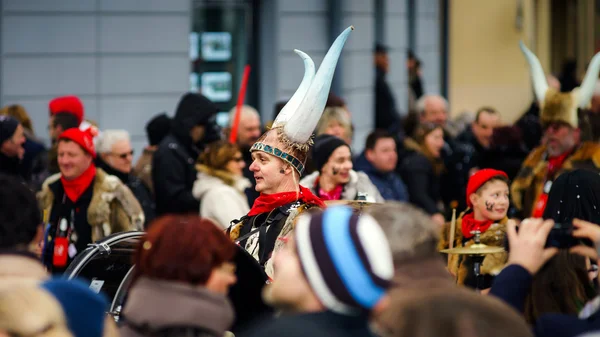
121 156
382 61
383 156
72 159
248 130
197 133
435 112
492 200
560 138
13 147
337 169
483 128
267 172
289 288
54 131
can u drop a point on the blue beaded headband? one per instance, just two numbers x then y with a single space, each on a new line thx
297 164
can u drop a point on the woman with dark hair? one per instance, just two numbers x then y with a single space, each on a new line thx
221 184
181 280
422 167
563 285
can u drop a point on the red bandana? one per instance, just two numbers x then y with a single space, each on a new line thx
469 224
268 202
75 188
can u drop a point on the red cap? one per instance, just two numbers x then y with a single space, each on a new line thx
83 138
69 104
479 178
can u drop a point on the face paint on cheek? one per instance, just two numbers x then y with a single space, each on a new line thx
489 206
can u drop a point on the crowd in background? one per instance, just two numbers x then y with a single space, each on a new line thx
417 169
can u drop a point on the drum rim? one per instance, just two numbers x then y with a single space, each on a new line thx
86 255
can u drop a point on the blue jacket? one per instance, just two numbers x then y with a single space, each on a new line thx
389 184
513 284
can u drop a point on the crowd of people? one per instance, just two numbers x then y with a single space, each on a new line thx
348 243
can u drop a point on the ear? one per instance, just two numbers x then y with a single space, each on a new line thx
288 169
473 198
369 154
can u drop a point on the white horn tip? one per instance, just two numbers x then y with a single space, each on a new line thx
352 27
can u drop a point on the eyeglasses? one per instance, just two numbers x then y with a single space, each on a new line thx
123 155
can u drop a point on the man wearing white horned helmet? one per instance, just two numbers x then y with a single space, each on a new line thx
562 149
279 156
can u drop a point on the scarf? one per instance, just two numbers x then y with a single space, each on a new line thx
75 188
335 194
268 202
469 224
555 163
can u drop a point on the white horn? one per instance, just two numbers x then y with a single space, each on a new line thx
586 89
540 85
301 125
292 105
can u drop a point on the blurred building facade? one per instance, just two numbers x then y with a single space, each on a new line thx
130 59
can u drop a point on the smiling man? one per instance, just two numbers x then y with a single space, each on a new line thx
562 149
84 203
279 157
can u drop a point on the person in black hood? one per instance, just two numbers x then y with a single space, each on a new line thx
173 171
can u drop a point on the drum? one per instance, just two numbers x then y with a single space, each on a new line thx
107 266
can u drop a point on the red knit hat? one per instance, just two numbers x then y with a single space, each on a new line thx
68 104
83 138
478 179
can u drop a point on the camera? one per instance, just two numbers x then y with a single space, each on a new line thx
561 236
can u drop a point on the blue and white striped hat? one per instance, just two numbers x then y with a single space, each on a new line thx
346 259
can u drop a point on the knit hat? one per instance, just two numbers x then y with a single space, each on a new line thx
324 147
8 125
83 138
67 104
84 309
481 177
345 258
158 128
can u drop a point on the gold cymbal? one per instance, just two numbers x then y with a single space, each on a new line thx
476 249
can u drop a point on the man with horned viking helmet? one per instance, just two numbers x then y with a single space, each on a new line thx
279 156
562 149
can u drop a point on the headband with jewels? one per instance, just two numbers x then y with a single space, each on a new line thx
561 106
290 138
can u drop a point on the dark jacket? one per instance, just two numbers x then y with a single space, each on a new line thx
512 286
467 154
11 166
140 191
325 323
173 165
35 162
163 308
386 113
530 126
390 186
422 181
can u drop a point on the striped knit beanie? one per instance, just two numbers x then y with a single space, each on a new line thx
346 259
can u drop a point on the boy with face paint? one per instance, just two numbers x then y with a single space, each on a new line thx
487 205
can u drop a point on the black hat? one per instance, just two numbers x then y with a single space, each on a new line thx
574 194
157 128
8 125
324 147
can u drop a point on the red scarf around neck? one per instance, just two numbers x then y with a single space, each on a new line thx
75 188
335 194
469 224
268 202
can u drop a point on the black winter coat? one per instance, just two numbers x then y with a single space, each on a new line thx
422 183
386 114
173 164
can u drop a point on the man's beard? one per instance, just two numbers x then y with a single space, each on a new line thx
560 147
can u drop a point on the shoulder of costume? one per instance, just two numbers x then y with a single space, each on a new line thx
535 156
108 182
588 151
